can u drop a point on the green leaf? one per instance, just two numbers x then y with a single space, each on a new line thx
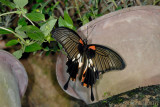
22 21
49 38
12 42
18 53
61 22
47 53
44 5
29 28
85 19
39 1
68 20
21 33
55 5
46 48
9 4
5 31
33 47
60 46
63 52
36 35
36 16
35 6
48 26
118 8
20 3
33 32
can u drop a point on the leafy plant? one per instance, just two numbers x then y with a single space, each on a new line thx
33 29
34 25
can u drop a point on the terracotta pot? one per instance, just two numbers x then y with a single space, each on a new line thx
13 80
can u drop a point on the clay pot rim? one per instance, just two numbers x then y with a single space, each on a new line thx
19 65
115 13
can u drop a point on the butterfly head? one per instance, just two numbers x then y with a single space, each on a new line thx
85 41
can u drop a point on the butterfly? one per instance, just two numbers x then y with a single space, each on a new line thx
94 59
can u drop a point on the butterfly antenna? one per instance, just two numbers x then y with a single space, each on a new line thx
90 32
87 32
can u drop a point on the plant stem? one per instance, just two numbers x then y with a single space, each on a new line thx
44 5
23 47
32 42
78 10
60 9
113 1
155 2
96 2
93 13
13 33
139 2
8 13
28 19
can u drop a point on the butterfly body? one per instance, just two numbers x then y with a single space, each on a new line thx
94 59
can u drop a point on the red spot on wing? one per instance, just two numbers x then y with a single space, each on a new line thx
92 47
73 79
84 85
83 77
80 41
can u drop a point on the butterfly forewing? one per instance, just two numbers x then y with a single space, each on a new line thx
68 39
106 59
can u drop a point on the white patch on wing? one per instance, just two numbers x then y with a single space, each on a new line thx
73 59
78 56
94 69
90 61
86 65
80 59
89 65
80 64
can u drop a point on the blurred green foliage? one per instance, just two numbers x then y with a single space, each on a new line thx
37 18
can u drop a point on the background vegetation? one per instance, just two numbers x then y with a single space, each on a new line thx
31 22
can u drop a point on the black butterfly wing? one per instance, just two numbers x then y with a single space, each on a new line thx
104 59
69 39
99 59
72 43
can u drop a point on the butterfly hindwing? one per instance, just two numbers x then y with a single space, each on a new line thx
104 59
99 59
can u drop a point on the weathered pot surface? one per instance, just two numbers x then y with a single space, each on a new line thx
17 69
134 33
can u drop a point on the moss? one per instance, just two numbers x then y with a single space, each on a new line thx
152 93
